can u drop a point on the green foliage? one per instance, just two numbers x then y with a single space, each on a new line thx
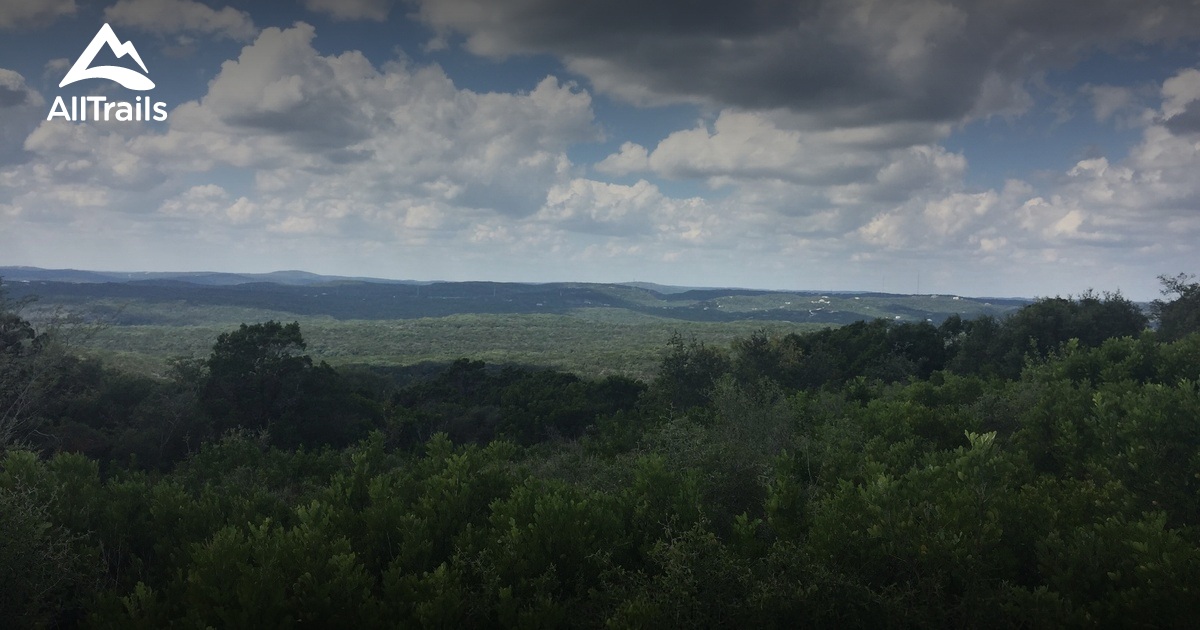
1048 324
1018 472
48 571
1125 571
937 532
1180 316
28 373
692 580
258 380
590 343
686 374
1051 322
470 402
255 376
268 575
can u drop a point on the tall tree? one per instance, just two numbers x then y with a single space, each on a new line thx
1180 316
255 375
259 378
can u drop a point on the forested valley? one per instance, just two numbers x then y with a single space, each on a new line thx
1036 470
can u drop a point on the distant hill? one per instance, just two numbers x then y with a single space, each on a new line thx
160 297
210 278
659 288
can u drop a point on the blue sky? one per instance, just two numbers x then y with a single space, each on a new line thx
1019 148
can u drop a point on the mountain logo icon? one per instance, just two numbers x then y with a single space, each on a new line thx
83 69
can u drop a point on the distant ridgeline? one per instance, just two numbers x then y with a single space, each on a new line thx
306 294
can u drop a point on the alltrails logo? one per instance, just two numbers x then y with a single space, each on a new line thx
141 109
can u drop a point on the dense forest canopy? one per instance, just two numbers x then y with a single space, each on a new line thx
1041 469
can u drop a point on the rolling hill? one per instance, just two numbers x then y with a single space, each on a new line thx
160 298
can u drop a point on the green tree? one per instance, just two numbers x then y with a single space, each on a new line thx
255 375
979 346
1181 315
687 373
1050 322
259 380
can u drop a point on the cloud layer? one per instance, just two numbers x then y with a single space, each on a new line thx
25 13
168 17
822 152
842 61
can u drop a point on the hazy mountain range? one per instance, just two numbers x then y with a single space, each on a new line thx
308 294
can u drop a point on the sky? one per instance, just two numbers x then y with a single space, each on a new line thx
981 148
